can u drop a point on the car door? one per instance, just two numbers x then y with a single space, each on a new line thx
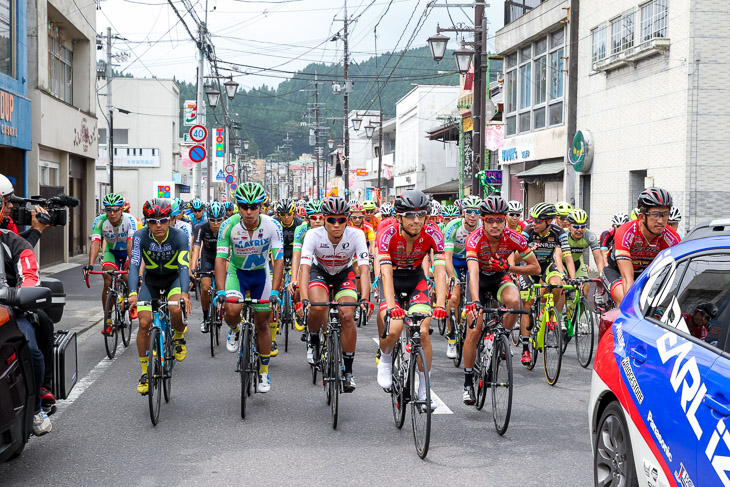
713 455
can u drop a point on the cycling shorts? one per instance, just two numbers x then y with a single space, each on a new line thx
343 283
152 286
547 273
207 261
412 284
611 280
581 269
458 263
256 284
492 285
525 284
115 258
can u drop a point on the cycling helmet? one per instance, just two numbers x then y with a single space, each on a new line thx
250 193
459 204
301 202
313 207
709 308
355 206
216 210
229 206
386 209
675 215
112 199
578 217
435 209
493 205
301 212
564 208
196 204
470 202
369 205
411 200
450 211
335 205
543 211
515 206
619 219
126 206
352 202
654 197
175 208
285 207
157 208
6 187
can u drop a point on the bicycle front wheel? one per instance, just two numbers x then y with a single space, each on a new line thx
397 389
154 375
286 320
460 336
420 404
532 342
335 375
481 376
167 367
584 331
551 356
244 357
111 332
124 321
501 384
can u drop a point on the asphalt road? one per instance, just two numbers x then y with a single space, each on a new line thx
105 437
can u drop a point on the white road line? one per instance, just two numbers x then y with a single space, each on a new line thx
441 408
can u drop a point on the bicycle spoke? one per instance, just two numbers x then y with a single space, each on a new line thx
501 384
420 406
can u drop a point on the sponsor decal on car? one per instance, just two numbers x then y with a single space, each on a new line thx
683 477
658 436
632 380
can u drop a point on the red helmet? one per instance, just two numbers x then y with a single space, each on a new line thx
157 208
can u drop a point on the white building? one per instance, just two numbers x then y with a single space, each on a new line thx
419 162
147 160
652 78
364 152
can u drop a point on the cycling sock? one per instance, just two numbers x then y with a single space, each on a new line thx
421 383
525 343
348 358
273 327
468 377
205 314
178 335
314 339
385 358
264 367
143 363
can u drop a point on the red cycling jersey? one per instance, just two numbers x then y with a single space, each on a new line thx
478 249
392 246
630 244
384 223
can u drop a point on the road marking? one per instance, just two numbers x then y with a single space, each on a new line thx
441 408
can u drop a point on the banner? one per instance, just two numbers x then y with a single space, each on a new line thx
495 137
219 153
190 109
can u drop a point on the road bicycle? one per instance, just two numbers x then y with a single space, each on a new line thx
214 322
408 358
116 308
286 320
457 319
580 323
330 360
161 355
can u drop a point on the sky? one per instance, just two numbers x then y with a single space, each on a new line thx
285 35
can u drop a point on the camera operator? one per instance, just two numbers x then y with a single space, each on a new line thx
33 234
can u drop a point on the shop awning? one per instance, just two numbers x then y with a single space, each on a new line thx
543 172
449 187
447 132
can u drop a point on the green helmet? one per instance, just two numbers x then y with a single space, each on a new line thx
369 205
578 217
313 207
471 202
543 211
635 213
113 199
564 208
450 211
250 193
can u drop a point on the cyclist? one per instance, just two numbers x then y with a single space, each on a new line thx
357 220
607 237
181 222
698 322
285 210
116 229
675 217
314 220
248 237
327 257
402 248
449 213
488 249
198 215
230 209
387 213
164 252
514 216
637 243
370 213
204 248
455 235
580 239
564 208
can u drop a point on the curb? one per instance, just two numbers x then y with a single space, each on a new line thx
92 322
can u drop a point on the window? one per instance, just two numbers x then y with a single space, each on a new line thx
599 43
654 20
540 80
511 100
121 136
622 33
526 86
48 173
60 67
7 50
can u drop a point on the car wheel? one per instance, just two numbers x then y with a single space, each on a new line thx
613 461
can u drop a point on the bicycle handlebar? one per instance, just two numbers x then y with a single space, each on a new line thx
500 312
417 317
109 272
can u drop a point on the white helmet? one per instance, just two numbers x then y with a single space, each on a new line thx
6 187
619 219
514 206
435 208
675 215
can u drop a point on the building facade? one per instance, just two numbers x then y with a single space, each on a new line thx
365 156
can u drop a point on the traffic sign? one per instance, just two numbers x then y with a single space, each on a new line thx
198 133
220 176
233 188
197 153
230 179
230 168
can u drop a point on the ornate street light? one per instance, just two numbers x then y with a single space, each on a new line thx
356 123
213 95
369 130
231 88
463 57
246 143
437 43
331 144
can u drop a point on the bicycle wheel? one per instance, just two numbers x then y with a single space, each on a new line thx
244 357
442 326
551 356
501 383
420 408
515 334
532 342
286 320
584 331
125 322
460 335
481 376
167 367
111 337
154 375
335 376
565 334
397 390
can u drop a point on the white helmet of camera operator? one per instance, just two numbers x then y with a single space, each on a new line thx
6 187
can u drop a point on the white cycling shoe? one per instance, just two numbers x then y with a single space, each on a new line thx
264 384
385 371
232 341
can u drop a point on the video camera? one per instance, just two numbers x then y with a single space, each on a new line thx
56 207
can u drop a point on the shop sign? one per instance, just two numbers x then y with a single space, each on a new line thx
468 124
190 109
581 151
362 172
494 177
15 121
513 153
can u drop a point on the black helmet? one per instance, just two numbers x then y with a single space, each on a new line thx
543 211
493 205
157 208
709 309
411 200
335 205
654 197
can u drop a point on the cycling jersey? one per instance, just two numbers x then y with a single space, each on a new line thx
288 236
385 223
607 238
187 229
546 244
455 236
162 260
116 237
206 239
578 247
520 226
335 258
479 250
299 234
630 244
197 221
249 250
392 247
367 229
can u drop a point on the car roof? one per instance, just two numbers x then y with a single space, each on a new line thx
720 227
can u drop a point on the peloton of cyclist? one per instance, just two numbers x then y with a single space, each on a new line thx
608 236
314 220
563 208
198 215
205 246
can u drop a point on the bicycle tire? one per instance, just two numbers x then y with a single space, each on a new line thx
442 326
514 334
501 384
420 409
551 356
285 322
565 338
584 334
110 309
532 342
244 359
167 369
125 325
154 375
480 376
397 389
335 376
459 335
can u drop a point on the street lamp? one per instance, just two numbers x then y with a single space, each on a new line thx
331 143
437 43
246 143
356 123
231 88
369 130
213 96
463 59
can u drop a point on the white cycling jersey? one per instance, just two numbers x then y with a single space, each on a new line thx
334 258
187 228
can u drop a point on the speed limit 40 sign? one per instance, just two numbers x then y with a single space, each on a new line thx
198 133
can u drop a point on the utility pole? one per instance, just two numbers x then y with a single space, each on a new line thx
346 125
480 24
380 148
109 107
315 173
200 110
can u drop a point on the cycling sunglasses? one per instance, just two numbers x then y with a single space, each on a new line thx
491 221
216 220
113 209
161 221
579 227
198 210
471 211
514 215
336 220
246 206
414 214
356 217
316 218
